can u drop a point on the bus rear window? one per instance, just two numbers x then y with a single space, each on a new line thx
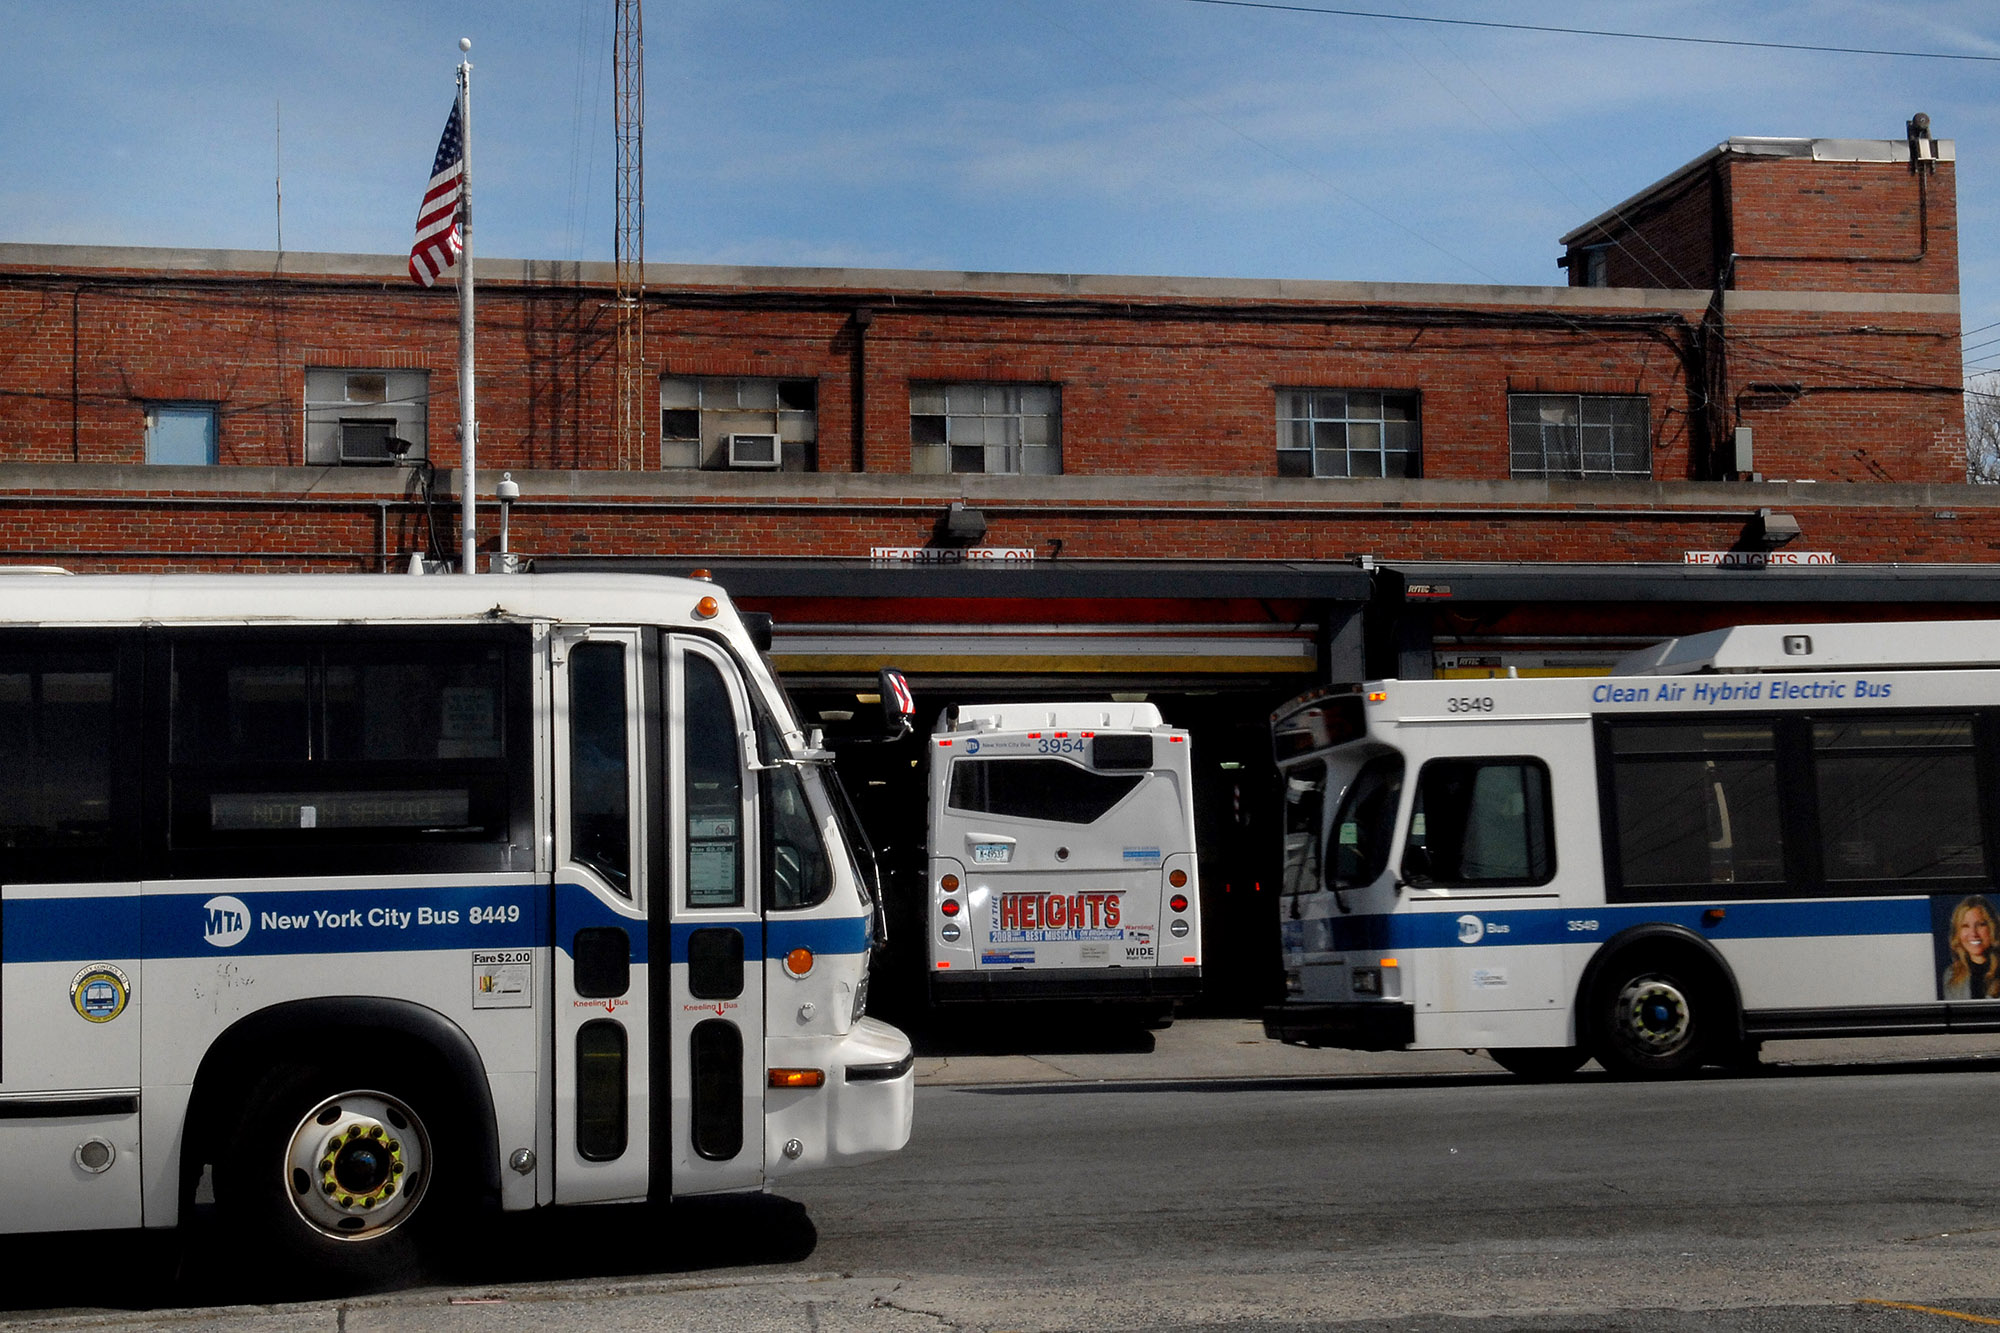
1050 790
1121 752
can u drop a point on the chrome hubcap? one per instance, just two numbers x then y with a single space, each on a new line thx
357 1165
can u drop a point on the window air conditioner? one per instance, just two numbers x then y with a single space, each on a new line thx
754 451
366 440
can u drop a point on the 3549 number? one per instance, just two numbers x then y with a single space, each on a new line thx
1476 704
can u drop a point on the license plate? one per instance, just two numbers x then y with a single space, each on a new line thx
988 853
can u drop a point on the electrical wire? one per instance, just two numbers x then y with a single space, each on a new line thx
1597 32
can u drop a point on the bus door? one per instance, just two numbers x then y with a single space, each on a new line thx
605 878
714 1001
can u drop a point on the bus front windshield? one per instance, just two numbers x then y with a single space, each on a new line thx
1358 846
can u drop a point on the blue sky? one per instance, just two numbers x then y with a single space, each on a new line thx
1085 136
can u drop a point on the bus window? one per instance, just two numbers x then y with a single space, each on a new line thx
1898 799
278 741
1697 805
801 874
1366 824
1305 802
56 741
1481 821
1045 789
599 765
715 790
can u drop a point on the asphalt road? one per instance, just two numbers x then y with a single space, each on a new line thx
1826 1196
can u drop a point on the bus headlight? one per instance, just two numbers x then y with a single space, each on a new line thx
1367 981
1295 982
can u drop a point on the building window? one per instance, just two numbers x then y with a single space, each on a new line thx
714 421
1578 435
363 417
1011 428
1596 267
1341 433
181 433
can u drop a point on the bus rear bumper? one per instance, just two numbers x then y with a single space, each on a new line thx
1380 1025
1135 984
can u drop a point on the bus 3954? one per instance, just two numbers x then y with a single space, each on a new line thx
1762 832
1062 856
361 900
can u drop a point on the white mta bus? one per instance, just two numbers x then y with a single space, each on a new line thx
361 900
1764 832
1062 856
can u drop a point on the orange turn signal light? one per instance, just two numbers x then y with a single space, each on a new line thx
707 609
949 883
797 1078
799 961
1177 878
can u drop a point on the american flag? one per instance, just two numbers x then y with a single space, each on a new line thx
438 245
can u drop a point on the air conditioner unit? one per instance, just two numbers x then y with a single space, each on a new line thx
366 440
755 451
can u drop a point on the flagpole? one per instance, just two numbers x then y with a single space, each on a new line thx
468 418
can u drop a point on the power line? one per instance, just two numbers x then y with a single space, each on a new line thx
1595 32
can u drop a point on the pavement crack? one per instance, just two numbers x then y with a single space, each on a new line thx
889 1302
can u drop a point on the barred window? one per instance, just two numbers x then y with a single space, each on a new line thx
1578 435
1006 428
1347 433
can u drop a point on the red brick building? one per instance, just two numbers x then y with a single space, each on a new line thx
1214 492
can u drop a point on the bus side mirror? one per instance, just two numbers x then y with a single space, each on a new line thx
899 706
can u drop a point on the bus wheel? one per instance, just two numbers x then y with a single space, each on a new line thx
1653 1023
328 1176
1540 1064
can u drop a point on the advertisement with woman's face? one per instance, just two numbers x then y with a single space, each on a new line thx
1966 940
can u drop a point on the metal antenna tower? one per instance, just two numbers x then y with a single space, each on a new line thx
628 95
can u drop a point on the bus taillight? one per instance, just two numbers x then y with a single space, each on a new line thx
1178 902
949 907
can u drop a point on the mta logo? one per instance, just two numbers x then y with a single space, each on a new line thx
225 921
1470 929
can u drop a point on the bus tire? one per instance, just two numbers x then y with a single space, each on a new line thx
1656 1017
333 1175
1540 1064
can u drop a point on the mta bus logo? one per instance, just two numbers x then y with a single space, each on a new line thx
225 921
1470 929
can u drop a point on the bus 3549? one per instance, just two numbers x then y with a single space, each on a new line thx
357 901
1758 833
1062 856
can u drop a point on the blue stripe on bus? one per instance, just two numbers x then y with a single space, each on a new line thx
290 922
1585 925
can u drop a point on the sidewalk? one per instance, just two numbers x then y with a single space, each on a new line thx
1236 1048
